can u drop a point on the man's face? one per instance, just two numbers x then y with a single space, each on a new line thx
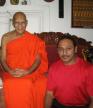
20 24
66 51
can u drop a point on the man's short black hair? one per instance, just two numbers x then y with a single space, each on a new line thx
67 36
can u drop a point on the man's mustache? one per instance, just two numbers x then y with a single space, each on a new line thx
64 56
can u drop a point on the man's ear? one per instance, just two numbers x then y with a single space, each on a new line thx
76 49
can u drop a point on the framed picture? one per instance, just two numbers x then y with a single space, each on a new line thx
61 8
14 2
82 13
2 2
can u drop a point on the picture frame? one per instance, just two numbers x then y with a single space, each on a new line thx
61 8
82 14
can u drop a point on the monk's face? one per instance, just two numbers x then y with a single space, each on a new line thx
67 51
20 23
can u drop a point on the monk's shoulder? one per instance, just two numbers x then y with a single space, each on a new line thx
7 36
39 39
35 38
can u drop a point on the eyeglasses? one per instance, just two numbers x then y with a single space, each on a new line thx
20 23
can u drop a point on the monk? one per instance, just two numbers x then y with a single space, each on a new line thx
25 63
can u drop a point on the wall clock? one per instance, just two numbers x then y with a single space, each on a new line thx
48 0
2 2
14 2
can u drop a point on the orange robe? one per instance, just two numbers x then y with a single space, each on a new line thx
28 91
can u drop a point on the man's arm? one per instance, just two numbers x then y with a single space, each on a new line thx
91 103
90 84
48 99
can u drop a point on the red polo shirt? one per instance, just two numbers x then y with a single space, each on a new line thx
71 84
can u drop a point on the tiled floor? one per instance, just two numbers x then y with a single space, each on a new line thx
2 105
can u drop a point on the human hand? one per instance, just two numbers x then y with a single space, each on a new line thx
20 72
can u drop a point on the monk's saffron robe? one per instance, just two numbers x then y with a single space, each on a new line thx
27 91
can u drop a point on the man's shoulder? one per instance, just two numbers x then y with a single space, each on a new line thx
55 67
56 64
85 64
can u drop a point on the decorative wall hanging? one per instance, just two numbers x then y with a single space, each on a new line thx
61 8
24 2
2 2
82 13
14 2
48 0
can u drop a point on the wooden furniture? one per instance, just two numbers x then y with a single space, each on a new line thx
51 38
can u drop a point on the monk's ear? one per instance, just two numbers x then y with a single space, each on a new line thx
12 22
26 22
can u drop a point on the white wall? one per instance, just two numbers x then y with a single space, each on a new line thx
52 22
64 24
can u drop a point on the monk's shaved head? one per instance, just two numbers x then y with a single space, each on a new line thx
17 14
19 22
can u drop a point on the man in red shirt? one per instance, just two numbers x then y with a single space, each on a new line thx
70 79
